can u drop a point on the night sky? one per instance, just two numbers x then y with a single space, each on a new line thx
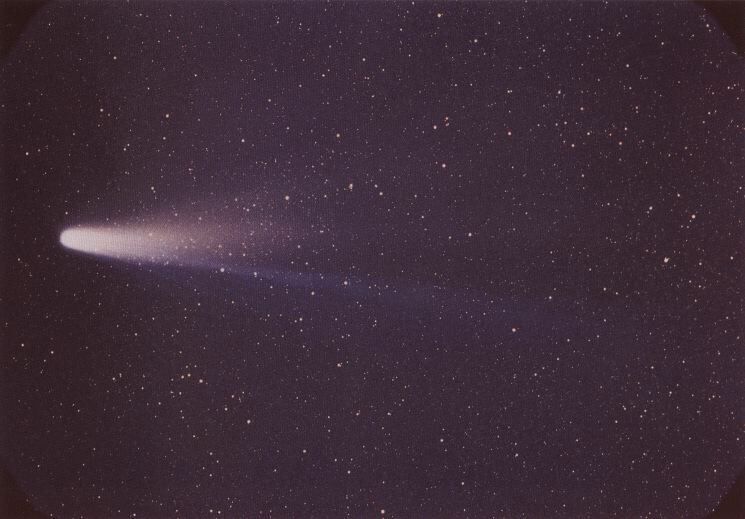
479 260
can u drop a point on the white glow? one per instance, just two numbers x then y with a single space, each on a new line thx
233 247
127 243
210 245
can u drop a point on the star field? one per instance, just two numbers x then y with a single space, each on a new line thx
444 260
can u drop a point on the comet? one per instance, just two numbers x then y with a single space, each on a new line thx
231 249
256 252
198 244
127 244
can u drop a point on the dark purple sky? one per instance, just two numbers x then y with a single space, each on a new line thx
553 194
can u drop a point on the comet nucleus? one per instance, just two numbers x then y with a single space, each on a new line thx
129 244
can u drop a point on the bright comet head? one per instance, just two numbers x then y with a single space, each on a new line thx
84 240
119 243
124 243
163 243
